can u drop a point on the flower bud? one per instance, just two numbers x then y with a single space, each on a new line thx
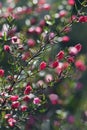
42 65
31 43
14 98
27 89
36 101
1 72
60 55
23 108
15 104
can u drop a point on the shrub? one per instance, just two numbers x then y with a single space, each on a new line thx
39 78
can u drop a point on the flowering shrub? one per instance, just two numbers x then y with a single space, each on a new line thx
38 76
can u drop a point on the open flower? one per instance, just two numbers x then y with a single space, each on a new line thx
36 101
11 122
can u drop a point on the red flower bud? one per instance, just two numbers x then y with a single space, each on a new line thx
62 13
55 64
27 89
70 59
43 65
60 55
1 72
31 43
83 19
15 105
78 47
48 78
26 98
23 108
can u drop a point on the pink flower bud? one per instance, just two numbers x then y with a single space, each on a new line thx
26 98
9 9
65 66
40 83
38 30
36 101
71 2
31 30
51 35
80 65
48 78
46 7
31 43
65 39
73 51
14 98
59 68
53 98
